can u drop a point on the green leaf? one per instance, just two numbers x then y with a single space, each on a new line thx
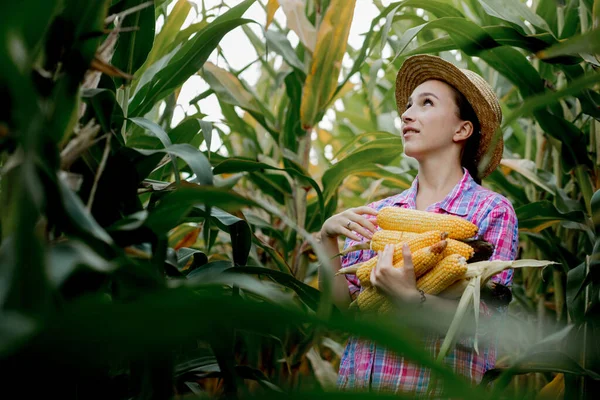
515 12
292 129
187 60
547 10
29 20
543 100
230 89
16 330
194 158
588 43
159 133
64 259
165 41
380 151
133 47
92 330
239 231
543 361
537 216
282 46
576 303
308 294
106 108
79 217
595 204
233 165
574 147
523 167
172 208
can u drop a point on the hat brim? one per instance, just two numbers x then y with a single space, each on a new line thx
421 68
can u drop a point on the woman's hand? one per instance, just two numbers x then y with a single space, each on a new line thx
350 222
395 282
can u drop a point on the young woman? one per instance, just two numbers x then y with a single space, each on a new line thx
450 119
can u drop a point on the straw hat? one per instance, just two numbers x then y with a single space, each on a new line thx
420 68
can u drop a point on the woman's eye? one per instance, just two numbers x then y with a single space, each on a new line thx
407 106
428 101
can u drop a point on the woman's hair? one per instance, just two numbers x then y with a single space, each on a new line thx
466 113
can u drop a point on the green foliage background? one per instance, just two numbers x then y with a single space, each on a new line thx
135 263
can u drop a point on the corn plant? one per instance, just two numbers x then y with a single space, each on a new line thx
135 264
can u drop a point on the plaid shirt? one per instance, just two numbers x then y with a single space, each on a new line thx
368 366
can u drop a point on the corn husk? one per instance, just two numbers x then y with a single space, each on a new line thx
477 276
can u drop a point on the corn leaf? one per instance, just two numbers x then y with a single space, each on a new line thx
229 88
194 158
321 81
463 307
537 216
134 47
381 151
535 102
233 165
523 167
166 35
588 43
272 7
187 60
515 12
281 45
299 23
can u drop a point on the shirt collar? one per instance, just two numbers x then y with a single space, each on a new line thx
454 203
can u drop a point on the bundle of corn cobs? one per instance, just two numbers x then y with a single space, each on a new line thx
446 256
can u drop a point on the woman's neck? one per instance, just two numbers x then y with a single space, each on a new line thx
436 180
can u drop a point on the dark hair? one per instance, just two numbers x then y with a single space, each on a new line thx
469 156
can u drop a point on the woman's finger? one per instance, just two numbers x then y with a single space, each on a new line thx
355 226
373 277
408 267
365 210
364 222
349 234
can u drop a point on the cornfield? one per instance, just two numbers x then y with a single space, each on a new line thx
154 248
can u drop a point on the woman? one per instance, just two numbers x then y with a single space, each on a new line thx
449 121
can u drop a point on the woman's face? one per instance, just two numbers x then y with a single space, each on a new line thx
430 124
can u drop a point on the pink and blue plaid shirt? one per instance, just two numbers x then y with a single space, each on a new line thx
368 366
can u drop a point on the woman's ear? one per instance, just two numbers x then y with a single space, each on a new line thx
463 131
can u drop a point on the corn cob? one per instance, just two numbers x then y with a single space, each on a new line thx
385 307
458 247
384 236
415 244
369 299
448 271
404 219
425 259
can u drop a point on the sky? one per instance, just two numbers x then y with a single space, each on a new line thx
239 52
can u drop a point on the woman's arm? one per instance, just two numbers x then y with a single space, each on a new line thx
349 223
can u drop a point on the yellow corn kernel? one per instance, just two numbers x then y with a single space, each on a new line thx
385 307
427 258
405 219
384 236
444 274
458 247
370 299
364 272
415 244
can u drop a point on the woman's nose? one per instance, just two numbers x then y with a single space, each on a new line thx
406 116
